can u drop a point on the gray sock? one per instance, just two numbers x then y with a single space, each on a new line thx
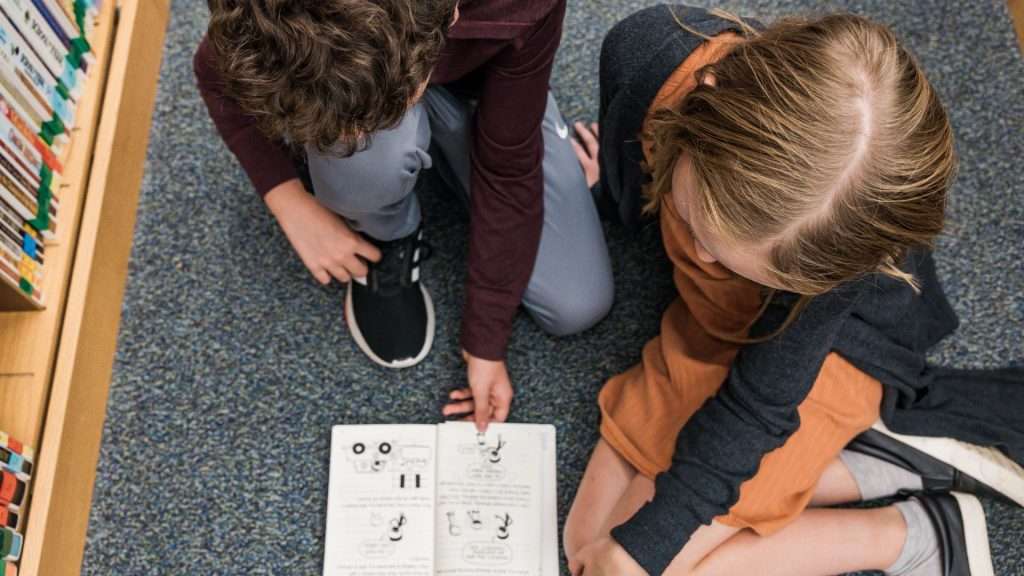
877 478
920 555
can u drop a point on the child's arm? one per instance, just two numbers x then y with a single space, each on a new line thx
507 186
267 163
722 445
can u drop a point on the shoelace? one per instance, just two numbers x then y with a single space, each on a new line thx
395 269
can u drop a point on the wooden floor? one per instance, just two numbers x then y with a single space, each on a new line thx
1017 11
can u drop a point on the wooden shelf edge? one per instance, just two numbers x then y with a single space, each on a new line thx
67 456
1017 14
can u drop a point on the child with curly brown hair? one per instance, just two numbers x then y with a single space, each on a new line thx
371 93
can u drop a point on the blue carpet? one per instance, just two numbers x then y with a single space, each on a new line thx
233 364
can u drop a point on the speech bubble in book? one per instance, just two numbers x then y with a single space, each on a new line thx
485 472
487 553
377 549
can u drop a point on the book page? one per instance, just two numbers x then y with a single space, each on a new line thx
495 510
380 501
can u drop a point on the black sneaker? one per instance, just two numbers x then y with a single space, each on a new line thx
962 532
945 464
389 312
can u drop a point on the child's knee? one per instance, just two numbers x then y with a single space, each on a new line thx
574 539
570 311
377 177
575 316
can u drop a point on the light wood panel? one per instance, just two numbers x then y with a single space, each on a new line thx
66 464
1017 12
28 340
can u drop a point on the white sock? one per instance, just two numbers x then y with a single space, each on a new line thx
920 555
877 478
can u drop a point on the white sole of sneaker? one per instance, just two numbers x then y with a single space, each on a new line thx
399 364
984 464
979 557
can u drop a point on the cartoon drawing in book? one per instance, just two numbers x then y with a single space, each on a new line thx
370 459
384 544
474 519
489 453
489 467
503 523
453 528
493 453
406 463
396 530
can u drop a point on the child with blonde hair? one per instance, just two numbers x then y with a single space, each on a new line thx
799 173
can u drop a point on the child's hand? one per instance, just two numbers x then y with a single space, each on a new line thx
605 558
489 395
324 242
587 152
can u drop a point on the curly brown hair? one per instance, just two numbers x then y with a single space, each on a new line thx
327 73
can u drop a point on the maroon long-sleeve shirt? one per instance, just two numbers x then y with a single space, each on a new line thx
503 51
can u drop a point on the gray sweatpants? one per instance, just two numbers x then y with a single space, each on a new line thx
571 286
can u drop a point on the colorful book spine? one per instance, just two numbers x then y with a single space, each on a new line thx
10 519
27 180
19 266
15 462
15 472
37 210
12 490
48 47
35 162
34 76
48 145
72 27
10 545
45 54
15 445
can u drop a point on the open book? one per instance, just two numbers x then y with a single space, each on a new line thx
423 500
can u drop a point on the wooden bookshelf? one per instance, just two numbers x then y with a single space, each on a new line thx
55 363
28 340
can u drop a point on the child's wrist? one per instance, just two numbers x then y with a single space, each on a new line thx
282 197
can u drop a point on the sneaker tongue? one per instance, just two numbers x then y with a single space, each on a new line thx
392 269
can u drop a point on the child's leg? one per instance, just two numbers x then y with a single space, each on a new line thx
604 483
899 538
836 486
610 492
373 189
571 287
819 542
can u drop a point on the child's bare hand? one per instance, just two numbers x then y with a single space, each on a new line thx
587 152
324 242
489 395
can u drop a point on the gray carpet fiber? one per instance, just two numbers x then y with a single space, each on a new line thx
233 363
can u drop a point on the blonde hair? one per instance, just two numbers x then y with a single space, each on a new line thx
822 138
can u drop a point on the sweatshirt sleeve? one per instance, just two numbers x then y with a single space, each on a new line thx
266 162
722 445
507 186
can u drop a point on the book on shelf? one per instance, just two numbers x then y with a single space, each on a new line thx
10 545
45 56
16 464
423 500
47 45
10 518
